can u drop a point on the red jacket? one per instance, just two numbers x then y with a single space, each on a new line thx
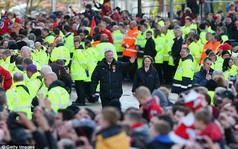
151 108
7 78
212 131
109 35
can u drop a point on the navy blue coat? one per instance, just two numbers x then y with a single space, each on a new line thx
199 78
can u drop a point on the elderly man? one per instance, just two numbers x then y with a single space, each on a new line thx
109 73
58 96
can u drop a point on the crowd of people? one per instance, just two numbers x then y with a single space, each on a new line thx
43 58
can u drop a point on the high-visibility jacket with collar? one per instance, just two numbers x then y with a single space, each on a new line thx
34 84
169 40
195 52
224 38
218 63
184 75
141 41
117 37
129 40
209 29
69 42
58 96
91 57
159 47
203 37
41 56
78 65
200 44
20 69
105 46
215 46
233 71
60 52
19 98
7 65
50 38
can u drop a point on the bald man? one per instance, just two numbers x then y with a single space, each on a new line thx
57 95
105 45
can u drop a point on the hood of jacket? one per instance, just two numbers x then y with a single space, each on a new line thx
188 57
56 83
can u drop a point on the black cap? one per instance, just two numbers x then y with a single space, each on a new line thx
228 94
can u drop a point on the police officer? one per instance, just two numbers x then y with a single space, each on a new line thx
109 73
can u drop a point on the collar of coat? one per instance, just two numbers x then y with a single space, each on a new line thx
55 84
188 57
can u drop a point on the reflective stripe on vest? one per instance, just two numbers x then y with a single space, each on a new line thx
131 50
59 105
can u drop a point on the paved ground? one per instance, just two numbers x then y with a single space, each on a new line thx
127 99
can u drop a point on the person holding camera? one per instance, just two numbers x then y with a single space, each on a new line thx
200 78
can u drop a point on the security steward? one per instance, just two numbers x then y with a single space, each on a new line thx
18 96
184 73
57 94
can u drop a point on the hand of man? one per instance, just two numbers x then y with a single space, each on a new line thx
93 95
132 59
208 76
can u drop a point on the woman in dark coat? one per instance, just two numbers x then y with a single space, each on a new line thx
146 75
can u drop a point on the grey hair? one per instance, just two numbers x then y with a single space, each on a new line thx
46 69
18 76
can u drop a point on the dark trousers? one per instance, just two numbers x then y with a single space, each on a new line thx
110 102
87 92
132 70
159 68
167 72
79 87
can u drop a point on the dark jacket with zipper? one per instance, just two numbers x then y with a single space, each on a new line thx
175 50
199 78
110 77
150 47
149 79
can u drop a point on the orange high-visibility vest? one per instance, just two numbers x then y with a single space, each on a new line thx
129 40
